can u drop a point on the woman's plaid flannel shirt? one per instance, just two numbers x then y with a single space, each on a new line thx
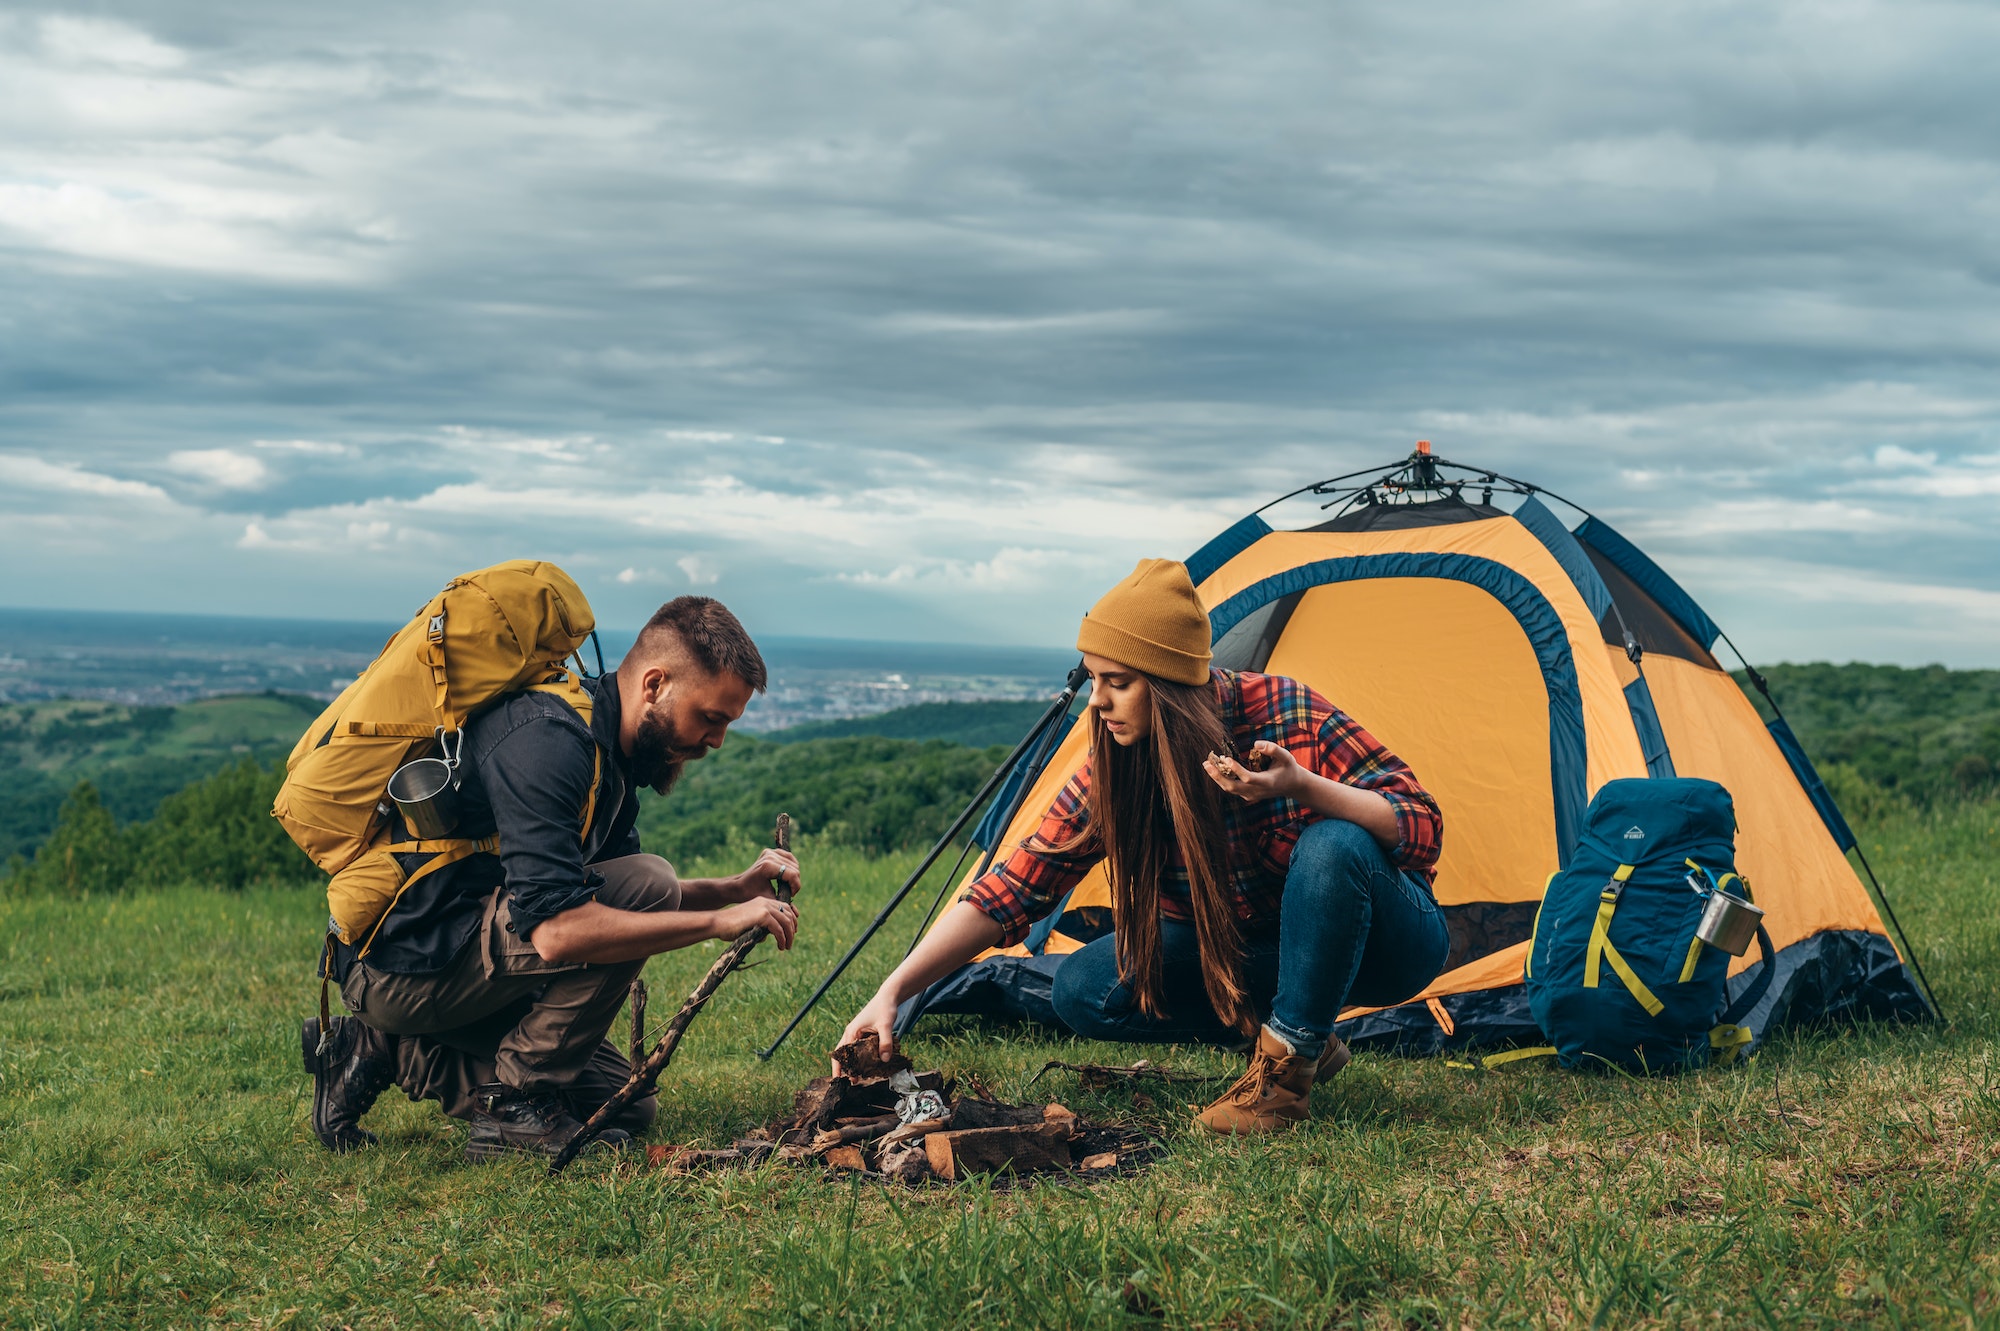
1033 880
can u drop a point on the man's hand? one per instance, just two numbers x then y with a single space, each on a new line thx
879 1019
777 917
1278 780
757 880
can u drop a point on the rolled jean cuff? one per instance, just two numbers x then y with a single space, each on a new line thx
1304 1043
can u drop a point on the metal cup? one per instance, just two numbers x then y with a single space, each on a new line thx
1729 923
423 790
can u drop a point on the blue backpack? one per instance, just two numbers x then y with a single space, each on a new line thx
1615 973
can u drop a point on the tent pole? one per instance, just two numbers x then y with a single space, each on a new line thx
1077 676
1930 994
1033 768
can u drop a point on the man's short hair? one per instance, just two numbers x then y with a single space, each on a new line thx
711 637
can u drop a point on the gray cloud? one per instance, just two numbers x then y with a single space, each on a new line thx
926 320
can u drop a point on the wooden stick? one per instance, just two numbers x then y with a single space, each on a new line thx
663 1053
638 1021
865 1131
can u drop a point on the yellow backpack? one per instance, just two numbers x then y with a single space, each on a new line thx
498 631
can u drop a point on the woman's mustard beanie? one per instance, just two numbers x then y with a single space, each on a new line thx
1152 622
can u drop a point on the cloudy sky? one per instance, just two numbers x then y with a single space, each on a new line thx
925 320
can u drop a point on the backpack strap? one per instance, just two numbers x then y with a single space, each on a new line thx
1601 950
1728 1037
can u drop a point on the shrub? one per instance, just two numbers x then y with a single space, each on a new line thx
86 853
217 832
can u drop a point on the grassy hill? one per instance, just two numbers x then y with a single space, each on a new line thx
974 723
160 1171
134 756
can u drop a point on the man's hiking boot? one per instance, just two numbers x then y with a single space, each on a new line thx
1273 1091
358 1065
510 1122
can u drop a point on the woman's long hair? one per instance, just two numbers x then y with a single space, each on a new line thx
1146 801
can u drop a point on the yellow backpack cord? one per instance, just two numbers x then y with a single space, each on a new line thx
1601 949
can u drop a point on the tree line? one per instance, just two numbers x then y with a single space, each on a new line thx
1887 739
875 795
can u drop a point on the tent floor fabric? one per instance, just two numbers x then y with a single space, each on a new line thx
848 1125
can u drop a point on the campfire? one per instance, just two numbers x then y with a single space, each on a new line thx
882 1118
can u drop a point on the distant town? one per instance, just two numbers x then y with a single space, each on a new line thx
161 660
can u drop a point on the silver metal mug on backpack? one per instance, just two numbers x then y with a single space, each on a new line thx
426 790
1728 922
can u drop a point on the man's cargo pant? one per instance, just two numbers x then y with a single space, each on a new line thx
501 1013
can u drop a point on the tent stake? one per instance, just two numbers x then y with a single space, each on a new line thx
1071 686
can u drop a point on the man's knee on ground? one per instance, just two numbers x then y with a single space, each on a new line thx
636 1117
639 882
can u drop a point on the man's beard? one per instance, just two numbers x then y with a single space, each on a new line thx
657 753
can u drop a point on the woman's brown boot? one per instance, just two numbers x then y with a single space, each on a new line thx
1272 1093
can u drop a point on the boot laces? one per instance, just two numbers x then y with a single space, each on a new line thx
1255 1083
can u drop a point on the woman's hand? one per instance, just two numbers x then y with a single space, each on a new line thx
1279 778
879 1019
962 933
756 881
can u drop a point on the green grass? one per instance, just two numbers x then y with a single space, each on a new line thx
158 1171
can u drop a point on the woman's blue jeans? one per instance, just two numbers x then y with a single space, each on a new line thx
1353 930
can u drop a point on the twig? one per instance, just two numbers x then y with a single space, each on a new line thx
656 1062
865 1131
1103 1074
638 1021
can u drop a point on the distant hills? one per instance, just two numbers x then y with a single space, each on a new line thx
135 756
895 778
975 723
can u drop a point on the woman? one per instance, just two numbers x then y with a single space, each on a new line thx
1275 888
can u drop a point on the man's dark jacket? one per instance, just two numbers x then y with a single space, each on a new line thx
528 771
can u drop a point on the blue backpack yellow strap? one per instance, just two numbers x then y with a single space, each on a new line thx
1728 1040
1694 956
1601 950
1517 1055
1601 938
1528 964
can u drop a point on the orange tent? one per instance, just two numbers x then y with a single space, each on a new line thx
1530 664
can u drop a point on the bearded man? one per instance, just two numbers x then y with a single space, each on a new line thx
492 983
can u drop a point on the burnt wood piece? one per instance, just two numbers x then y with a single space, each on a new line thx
845 1157
862 1060
648 1072
971 1113
912 1131
1027 1149
686 1160
867 1130
815 1106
